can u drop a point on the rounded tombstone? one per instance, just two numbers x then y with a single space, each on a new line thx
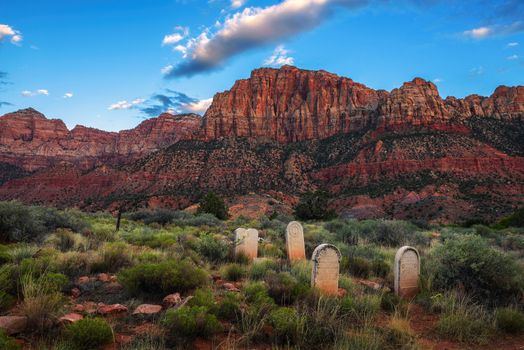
326 268
407 272
295 245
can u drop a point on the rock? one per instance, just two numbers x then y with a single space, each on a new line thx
13 324
172 300
371 284
112 309
83 280
147 309
70 318
230 287
113 288
75 292
104 277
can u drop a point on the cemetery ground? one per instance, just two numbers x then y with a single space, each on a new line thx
174 280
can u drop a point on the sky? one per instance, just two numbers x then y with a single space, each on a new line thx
110 64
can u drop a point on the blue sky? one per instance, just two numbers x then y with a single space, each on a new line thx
111 63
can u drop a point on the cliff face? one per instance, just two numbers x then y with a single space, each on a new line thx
407 153
290 104
31 141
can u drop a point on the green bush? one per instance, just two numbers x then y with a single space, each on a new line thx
257 293
191 322
469 262
287 325
229 308
393 233
509 320
314 206
233 272
357 266
380 268
162 278
260 269
8 343
113 257
203 297
214 249
213 204
284 288
516 220
148 216
89 333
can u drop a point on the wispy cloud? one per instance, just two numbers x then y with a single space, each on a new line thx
7 32
235 4
280 57
68 95
179 34
29 93
476 71
438 80
125 104
494 30
169 101
512 57
513 44
251 28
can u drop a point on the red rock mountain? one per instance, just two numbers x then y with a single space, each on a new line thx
407 153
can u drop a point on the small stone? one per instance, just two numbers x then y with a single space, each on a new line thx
111 309
342 292
70 318
79 308
83 280
13 324
147 309
230 287
104 277
172 300
75 292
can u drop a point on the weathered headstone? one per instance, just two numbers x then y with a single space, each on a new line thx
295 241
246 242
407 271
326 263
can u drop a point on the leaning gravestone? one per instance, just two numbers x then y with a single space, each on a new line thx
407 271
326 262
295 241
246 242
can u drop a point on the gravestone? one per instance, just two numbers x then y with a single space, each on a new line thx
407 271
246 242
326 263
295 241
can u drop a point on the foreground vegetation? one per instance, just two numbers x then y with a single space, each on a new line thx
472 282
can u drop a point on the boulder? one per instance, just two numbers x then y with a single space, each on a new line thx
13 324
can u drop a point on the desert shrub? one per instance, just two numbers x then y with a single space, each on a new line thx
233 272
284 288
203 297
213 248
65 240
19 223
380 268
465 321
391 302
112 258
260 269
257 293
314 206
162 278
362 309
394 233
7 286
399 335
43 301
356 265
73 264
102 232
148 216
191 322
516 220
229 308
322 324
509 320
365 339
20 252
8 343
89 333
484 272
203 219
287 325
213 204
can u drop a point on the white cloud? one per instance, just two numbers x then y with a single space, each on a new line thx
199 107
29 93
68 95
237 3
279 57
167 69
494 30
513 44
125 104
7 31
477 70
179 35
512 57
251 28
438 80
